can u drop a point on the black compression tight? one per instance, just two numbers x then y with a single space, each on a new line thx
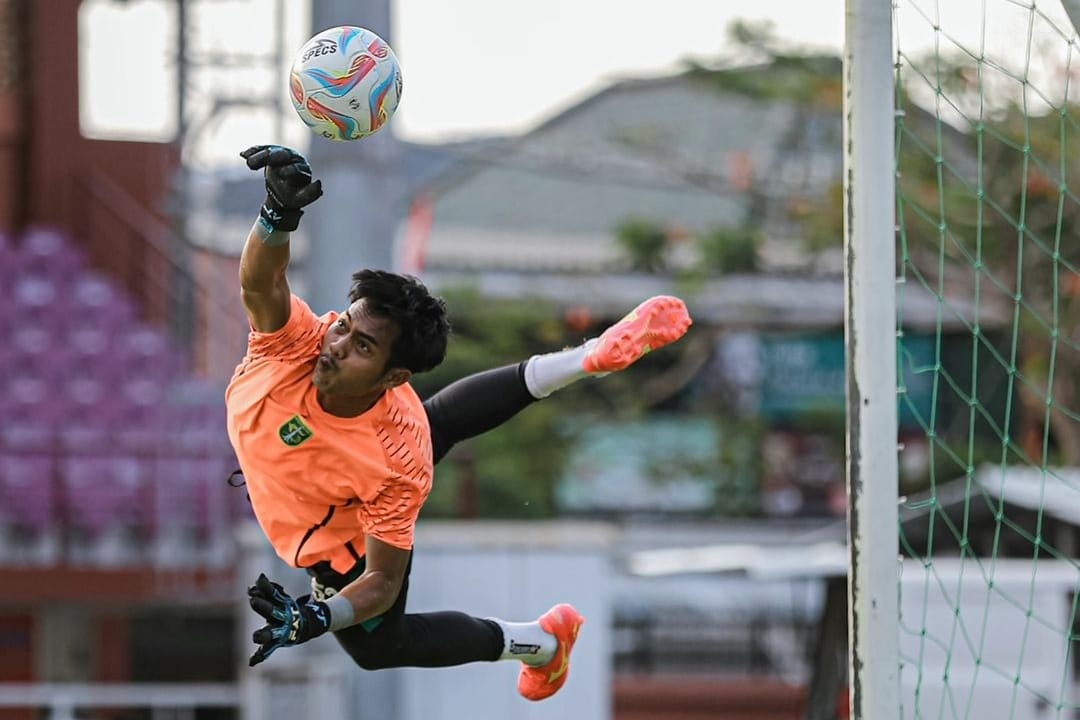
435 639
475 404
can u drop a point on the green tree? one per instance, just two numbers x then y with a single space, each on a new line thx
645 244
730 249
988 208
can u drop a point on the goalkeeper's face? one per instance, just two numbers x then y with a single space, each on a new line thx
352 363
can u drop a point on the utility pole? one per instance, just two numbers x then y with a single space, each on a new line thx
181 311
353 226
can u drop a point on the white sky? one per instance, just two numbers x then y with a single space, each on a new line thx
510 64
470 66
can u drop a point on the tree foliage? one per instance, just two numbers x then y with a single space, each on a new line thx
644 242
988 208
730 250
987 196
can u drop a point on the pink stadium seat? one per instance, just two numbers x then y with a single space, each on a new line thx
200 428
189 496
147 353
91 347
102 303
33 411
141 428
28 492
94 291
30 338
32 351
136 390
93 416
46 252
35 291
34 297
104 492
8 353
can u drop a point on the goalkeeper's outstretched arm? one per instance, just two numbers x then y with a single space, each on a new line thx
264 287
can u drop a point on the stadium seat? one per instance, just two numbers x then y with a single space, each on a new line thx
93 416
199 427
35 291
91 349
28 492
101 303
29 338
33 411
142 428
32 349
46 252
93 290
105 502
8 354
36 304
148 353
30 533
190 512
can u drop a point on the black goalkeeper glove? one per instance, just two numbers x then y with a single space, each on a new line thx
288 185
289 621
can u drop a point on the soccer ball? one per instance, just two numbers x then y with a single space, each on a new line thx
345 83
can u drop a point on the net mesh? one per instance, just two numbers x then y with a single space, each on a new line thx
987 210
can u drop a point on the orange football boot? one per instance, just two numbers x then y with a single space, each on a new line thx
538 683
658 321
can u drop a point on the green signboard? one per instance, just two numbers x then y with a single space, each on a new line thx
803 375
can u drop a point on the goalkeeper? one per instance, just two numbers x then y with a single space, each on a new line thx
338 450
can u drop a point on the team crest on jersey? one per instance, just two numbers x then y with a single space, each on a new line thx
294 431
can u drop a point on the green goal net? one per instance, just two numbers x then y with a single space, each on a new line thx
988 218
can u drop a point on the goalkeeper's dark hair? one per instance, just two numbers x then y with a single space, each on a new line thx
421 317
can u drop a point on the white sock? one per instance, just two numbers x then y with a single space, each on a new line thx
527 642
544 374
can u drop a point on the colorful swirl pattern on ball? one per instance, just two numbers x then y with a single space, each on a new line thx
336 85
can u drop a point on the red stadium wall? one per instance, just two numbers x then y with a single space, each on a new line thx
13 111
46 166
16 647
706 698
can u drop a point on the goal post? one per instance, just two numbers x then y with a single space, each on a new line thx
870 341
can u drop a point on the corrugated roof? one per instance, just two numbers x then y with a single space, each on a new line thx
655 149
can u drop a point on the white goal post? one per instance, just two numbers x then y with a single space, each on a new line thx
870 341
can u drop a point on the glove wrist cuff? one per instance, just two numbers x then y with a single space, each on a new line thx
274 218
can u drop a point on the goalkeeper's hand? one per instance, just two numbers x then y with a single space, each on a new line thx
288 185
288 621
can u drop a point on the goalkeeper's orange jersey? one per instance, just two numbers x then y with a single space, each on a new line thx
319 483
